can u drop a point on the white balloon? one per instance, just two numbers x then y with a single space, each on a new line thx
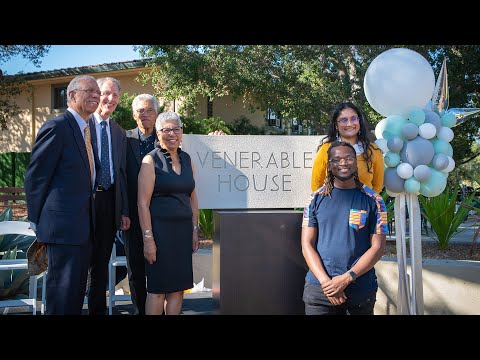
397 81
445 134
427 130
379 128
405 170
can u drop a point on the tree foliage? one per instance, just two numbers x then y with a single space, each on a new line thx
13 86
303 81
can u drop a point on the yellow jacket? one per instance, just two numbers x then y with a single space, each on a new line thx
373 179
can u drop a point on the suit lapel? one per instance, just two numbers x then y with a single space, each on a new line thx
134 143
116 146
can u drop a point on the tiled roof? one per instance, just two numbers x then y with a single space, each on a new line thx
85 70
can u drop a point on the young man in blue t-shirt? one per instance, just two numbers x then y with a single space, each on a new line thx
343 237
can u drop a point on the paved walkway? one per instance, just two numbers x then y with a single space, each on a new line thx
463 235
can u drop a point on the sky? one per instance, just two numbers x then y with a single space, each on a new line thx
66 56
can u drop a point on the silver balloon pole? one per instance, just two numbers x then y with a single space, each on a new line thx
415 231
403 294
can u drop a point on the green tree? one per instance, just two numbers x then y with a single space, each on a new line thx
11 86
304 81
123 114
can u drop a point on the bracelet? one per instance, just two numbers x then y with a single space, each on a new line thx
146 232
195 227
147 236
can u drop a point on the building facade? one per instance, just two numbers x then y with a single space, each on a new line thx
45 98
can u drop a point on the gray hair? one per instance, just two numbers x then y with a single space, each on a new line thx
167 116
101 81
144 97
73 85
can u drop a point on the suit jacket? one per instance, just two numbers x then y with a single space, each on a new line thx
58 185
119 150
134 163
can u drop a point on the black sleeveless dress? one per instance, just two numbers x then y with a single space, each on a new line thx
171 215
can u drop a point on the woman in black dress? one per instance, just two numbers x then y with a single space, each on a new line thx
168 212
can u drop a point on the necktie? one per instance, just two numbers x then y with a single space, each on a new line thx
105 180
88 145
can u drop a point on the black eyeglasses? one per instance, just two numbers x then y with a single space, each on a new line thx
347 160
90 91
168 131
345 121
149 111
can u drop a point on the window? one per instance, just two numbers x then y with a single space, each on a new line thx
273 119
209 107
59 98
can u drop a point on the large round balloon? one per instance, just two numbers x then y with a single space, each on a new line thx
398 81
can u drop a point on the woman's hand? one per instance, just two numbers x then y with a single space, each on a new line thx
195 241
150 250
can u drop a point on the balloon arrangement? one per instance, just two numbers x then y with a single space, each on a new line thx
415 138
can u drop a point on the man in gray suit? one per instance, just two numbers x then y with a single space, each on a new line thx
141 141
109 143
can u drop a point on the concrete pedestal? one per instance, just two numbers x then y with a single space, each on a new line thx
258 267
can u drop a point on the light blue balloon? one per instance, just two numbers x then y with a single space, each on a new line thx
442 147
422 173
417 117
435 185
392 181
440 162
391 159
393 126
448 119
395 144
410 131
418 151
411 185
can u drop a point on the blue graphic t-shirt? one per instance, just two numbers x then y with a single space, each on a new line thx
345 222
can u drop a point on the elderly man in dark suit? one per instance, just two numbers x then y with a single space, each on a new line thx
59 183
111 205
141 141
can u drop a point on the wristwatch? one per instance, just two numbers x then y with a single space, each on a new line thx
195 227
353 275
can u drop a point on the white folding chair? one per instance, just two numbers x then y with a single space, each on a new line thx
19 228
112 279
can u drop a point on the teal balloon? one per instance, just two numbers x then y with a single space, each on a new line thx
417 117
391 159
442 147
393 126
411 185
435 184
448 119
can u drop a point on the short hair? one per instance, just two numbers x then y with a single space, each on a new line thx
101 81
144 97
73 85
167 116
341 143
